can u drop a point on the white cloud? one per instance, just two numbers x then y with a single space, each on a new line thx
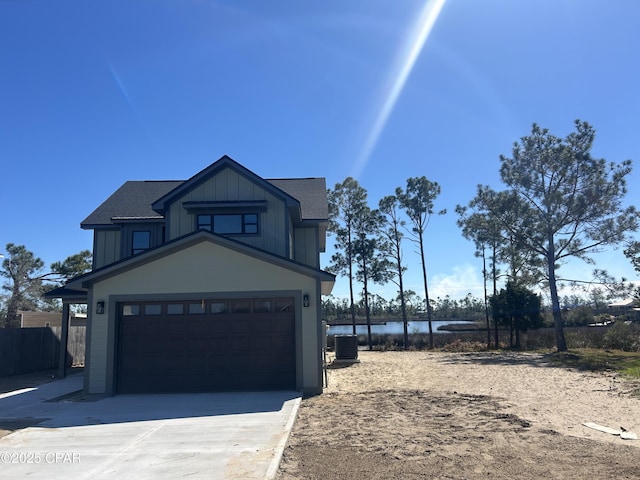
462 279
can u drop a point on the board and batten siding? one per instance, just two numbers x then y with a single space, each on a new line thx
106 247
306 246
204 269
228 185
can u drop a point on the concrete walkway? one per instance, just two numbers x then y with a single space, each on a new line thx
208 435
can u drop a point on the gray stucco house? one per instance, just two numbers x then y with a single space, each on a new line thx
208 284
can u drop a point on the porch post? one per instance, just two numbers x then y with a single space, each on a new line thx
64 341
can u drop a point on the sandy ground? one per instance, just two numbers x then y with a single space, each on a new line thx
464 416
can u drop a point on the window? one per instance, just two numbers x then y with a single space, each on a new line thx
130 310
155 309
229 223
175 309
241 307
196 308
140 241
262 306
218 307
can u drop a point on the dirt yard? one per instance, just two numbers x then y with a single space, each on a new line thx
464 416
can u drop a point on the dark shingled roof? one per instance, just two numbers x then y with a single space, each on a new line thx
310 192
133 200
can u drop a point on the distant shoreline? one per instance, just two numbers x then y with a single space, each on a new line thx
471 326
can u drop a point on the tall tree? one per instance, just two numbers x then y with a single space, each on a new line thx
346 202
413 302
390 207
24 273
570 202
372 264
72 266
517 307
486 235
418 203
28 282
632 252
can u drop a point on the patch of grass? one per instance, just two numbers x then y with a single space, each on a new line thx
633 370
626 363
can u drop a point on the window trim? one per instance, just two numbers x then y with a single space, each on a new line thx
248 226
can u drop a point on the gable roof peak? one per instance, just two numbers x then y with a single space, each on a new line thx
161 204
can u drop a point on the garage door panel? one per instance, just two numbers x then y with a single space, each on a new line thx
197 324
263 326
221 345
281 325
219 325
241 325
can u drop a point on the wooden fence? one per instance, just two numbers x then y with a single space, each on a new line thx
24 350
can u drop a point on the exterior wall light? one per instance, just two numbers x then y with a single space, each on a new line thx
305 300
100 307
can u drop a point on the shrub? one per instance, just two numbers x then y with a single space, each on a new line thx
623 336
462 346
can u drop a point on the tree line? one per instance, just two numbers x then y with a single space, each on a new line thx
558 202
337 311
27 281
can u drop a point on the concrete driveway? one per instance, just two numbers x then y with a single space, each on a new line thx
207 435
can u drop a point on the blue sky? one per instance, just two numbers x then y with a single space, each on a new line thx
96 93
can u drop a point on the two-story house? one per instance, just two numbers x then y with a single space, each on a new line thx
208 284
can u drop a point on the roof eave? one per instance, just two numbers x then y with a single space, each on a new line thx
86 280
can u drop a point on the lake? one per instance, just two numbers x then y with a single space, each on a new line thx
393 328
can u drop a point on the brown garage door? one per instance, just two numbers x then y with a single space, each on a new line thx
210 345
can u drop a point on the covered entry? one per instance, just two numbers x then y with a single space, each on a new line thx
203 345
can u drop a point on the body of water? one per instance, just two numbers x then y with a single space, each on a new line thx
392 328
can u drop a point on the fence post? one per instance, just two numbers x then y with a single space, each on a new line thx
64 341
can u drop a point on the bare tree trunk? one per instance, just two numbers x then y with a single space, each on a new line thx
495 292
558 323
403 303
352 306
426 292
486 301
12 320
511 331
366 303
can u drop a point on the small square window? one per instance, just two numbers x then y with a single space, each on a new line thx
250 222
140 241
242 307
155 309
218 307
204 222
175 309
196 308
130 310
261 307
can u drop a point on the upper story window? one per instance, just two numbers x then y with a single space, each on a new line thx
229 223
140 241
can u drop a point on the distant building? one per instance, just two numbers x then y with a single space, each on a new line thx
623 306
48 319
